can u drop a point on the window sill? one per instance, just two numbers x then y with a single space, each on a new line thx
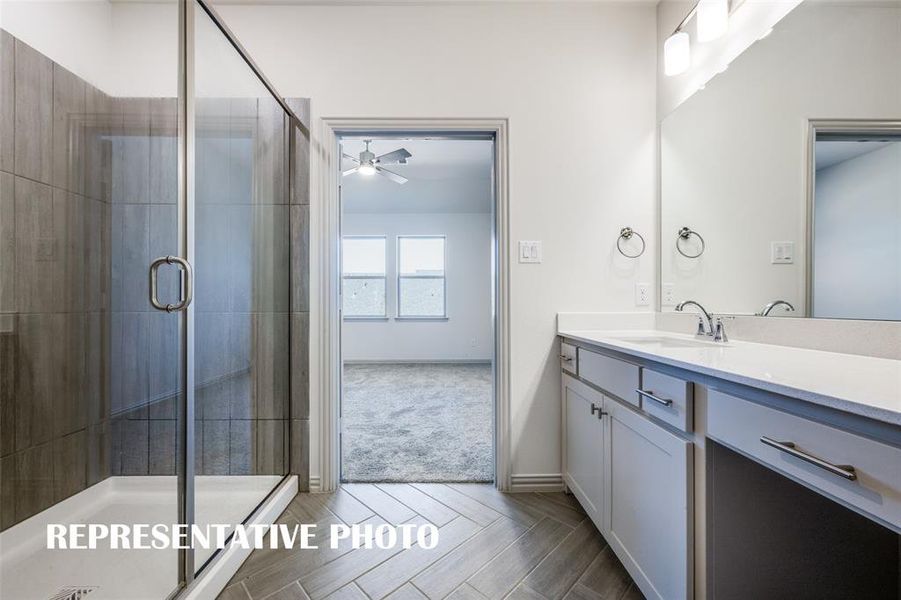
366 318
421 319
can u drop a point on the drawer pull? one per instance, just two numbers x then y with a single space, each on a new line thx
846 471
658 400
566 358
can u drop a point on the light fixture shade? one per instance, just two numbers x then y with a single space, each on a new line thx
713 19
676 54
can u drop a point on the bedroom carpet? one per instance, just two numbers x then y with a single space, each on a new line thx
417 423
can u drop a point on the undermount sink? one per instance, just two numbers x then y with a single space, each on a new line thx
662 341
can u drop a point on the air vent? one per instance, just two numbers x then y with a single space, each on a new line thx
74 592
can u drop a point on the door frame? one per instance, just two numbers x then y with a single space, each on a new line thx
326 188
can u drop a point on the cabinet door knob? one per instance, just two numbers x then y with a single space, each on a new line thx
594 408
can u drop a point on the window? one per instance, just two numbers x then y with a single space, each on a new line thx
420 277
363 271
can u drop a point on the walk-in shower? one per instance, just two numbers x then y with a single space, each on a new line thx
136 134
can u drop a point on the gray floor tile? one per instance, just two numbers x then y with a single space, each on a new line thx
383 504
451 571
463 504
565 564
436 512
501 574
387 577
505 504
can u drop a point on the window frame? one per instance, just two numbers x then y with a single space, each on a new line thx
381 317
399 276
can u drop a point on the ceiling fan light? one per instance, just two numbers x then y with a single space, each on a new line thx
366 169
713 19
676 54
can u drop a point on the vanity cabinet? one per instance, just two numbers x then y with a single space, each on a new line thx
631 475
649 477
584 456
858 472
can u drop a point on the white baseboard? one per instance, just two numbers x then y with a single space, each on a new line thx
217 575
536 482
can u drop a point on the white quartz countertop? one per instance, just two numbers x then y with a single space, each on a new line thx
861 385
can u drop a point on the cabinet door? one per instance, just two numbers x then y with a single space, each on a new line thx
649 479
584 446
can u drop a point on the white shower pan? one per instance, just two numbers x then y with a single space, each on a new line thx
30 571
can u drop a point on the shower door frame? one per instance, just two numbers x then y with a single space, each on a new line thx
186 223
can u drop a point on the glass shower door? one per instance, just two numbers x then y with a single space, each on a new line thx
90 384
242 302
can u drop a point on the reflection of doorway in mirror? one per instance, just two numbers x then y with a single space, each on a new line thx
856 222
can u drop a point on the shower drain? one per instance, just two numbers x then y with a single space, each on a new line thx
74 592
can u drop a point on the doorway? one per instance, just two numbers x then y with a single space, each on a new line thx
417 332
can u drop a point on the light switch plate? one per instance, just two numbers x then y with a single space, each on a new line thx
529 251
782 253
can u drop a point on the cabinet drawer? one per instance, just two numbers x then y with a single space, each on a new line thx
568 358
876 489
614 376
667 398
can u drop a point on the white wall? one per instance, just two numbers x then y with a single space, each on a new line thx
734 155
857 240
467 334
577 82
76 34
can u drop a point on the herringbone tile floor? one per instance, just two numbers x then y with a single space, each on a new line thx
535 546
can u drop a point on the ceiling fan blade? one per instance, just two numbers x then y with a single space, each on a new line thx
350 171
397 156
349 157
392 175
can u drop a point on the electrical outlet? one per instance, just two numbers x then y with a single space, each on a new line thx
642 294
782 253
530 251
669 294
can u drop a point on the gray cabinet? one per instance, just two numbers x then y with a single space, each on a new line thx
648 483
583 469
631 474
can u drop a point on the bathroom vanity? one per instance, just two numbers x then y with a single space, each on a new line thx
647 413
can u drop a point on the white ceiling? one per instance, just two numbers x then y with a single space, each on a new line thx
445 176
830 153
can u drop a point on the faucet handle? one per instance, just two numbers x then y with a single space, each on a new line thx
720 332
701 329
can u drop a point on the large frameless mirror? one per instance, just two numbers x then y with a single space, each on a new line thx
787 166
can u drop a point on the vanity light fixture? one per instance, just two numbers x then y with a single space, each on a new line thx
676 54
712 23
713 19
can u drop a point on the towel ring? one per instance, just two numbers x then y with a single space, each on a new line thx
626 233
686 233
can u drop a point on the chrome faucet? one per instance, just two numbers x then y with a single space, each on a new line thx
705 322
769 307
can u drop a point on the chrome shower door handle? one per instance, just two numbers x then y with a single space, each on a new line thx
187 289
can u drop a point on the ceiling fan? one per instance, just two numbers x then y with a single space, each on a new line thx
369 164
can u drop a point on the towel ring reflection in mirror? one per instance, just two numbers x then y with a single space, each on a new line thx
684 234
626 233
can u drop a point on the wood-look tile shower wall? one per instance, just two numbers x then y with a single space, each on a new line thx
88 193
